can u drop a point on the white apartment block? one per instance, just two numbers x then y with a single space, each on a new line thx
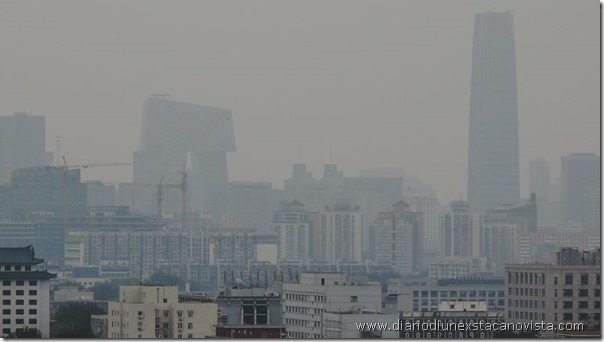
459 232
341 236
155 312
454 267
499 244
561 292
306 301
25 292
344 325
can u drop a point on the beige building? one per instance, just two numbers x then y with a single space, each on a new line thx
567 291
155 312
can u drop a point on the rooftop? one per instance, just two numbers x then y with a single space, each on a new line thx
18 255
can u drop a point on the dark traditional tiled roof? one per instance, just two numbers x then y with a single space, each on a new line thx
26 275
18 255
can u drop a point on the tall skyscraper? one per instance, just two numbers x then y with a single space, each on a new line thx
493 171
22 143
175 133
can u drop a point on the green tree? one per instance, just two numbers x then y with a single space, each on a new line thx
73 320
26 332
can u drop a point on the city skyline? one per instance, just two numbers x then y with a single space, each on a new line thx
276 89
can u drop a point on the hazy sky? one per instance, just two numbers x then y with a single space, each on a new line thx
359 83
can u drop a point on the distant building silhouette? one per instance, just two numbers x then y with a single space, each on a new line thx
22 143
174 133
580 190
493 171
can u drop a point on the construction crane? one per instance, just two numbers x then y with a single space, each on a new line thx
160 186
66 194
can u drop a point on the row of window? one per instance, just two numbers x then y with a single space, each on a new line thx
7 321
539 279
19 312
19 283
302 297
6 302
521 291
580 305
455 294
17 267
581 292
19 292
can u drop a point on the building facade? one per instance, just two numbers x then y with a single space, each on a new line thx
22 143
25 300
459 232
493 166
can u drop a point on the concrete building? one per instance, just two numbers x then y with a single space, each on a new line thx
344 324
444 322
580 190
427 294
25 291
566 290
249 205
155 312
539 183
398 239
499 244
459 232
341 234
176 133
430 208
295 228
306 300
46 191
493 166
72 294
456 267
249 313
22 143
99 194
241 247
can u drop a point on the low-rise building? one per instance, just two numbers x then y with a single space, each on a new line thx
348 325
155 312
566 290
25 291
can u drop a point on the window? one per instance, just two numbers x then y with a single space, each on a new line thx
7 268
20 321
584 279
567 305
354 299
415 294
166 313
33 292
33 302
6 282
568 279
190 336
20 283
28 268
179 325
6 331
583 292
555 280
6 321
567 293
179 314
33 311
6 292
190 325
597 279
567 316
20 302
6 311
20 292
33 282
597 292
583 305
17 268
20 312
190 313
6 302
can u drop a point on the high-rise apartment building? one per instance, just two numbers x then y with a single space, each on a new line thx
295 228
493 167
250 205
340 236
459 232
22 143
398 239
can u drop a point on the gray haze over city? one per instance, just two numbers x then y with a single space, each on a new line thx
362 84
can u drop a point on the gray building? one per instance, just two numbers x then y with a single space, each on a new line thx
539 179
580 188
493 167
22 143
568 290
250 205
175 133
